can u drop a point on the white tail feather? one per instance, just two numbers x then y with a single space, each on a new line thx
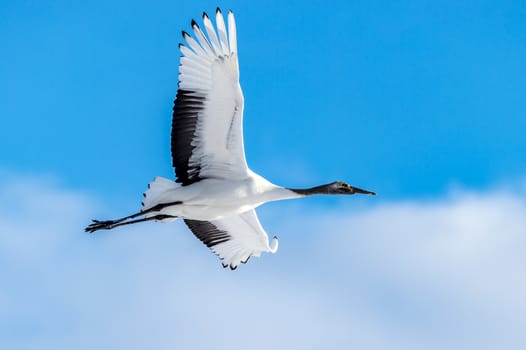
156 190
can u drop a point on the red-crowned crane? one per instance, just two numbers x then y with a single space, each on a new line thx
215 192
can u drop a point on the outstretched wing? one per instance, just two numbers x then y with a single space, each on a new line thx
207 131
235 238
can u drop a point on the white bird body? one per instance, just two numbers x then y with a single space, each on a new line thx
213 199
214 192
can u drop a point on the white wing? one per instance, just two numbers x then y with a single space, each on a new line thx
207 131
235 238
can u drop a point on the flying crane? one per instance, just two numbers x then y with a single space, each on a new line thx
214 192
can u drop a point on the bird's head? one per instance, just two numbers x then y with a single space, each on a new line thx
340 187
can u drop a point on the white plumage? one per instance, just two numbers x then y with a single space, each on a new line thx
215 192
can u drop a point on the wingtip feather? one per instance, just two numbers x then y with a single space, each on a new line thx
212 35
274 244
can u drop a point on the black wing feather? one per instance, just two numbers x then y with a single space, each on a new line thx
207 232
187 106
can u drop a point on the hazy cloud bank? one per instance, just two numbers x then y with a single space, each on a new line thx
434 274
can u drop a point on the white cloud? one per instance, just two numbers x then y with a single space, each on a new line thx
444 273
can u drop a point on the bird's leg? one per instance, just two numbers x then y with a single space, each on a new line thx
109 224
157 207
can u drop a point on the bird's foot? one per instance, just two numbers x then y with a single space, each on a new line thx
100 225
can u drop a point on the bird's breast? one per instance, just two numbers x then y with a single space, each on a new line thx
214 199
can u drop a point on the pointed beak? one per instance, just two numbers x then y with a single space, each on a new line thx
359 190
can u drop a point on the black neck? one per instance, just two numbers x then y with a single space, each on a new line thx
322 189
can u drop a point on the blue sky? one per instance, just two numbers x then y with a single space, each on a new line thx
420 101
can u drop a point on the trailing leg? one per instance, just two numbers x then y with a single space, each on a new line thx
109 224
